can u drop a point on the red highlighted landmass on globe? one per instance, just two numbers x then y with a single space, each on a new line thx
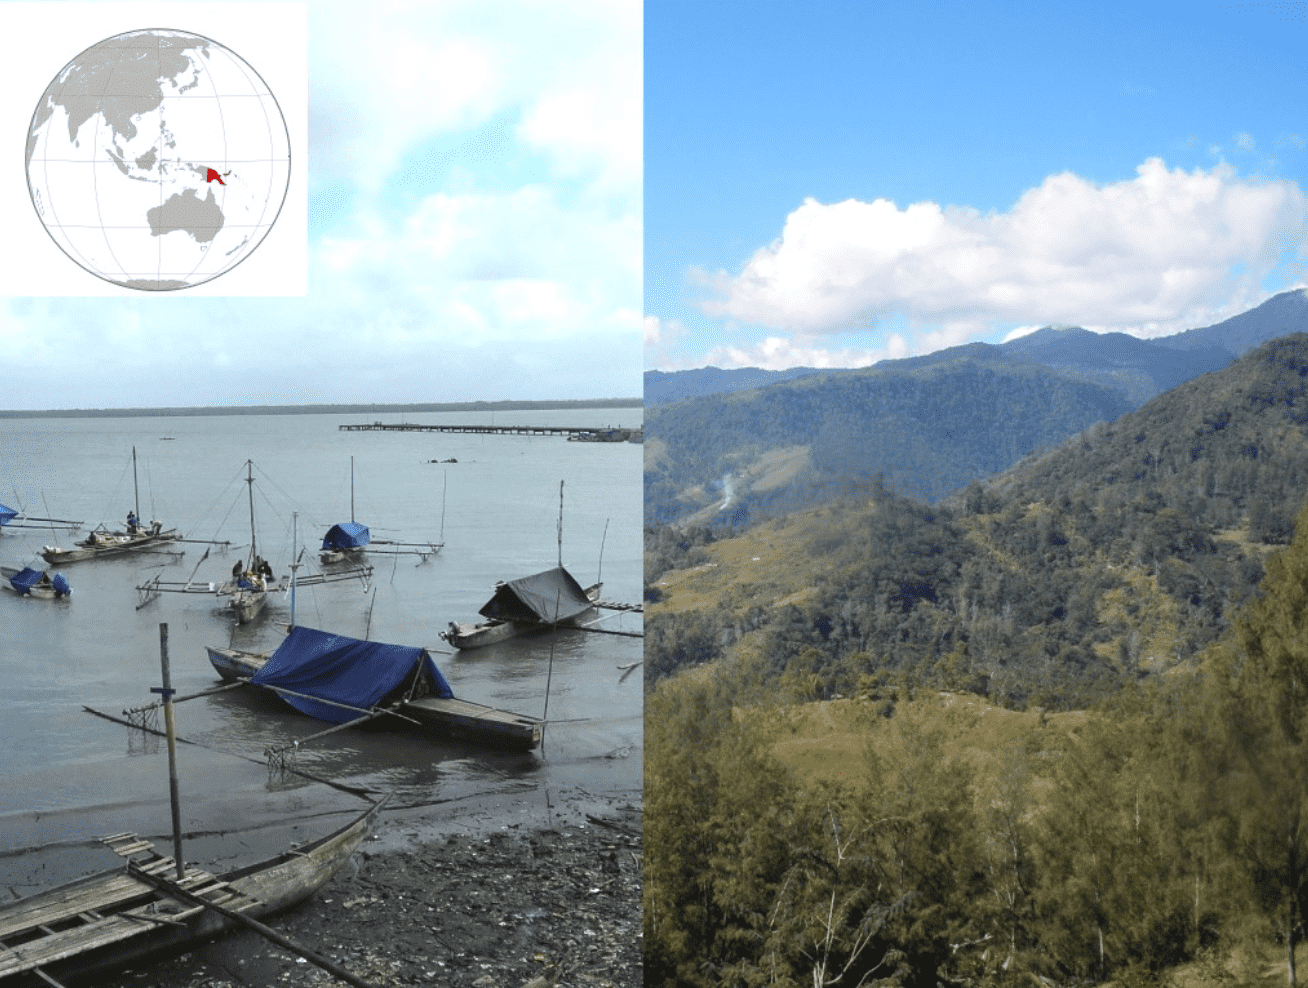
213 174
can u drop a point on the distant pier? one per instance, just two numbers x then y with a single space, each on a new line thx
605 434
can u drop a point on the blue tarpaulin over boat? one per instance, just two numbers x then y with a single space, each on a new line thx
25 579
347 671
7 514
346 535
543 599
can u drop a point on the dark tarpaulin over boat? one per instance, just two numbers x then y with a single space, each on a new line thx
345 670
544 598
346 535
7 514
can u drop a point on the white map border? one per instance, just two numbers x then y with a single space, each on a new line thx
45 35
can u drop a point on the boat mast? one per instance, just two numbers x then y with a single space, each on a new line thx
295 562
351 489
249 479
136 485
560 524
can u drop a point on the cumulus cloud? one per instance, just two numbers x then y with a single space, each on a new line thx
1153 254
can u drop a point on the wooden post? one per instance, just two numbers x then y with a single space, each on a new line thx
171 730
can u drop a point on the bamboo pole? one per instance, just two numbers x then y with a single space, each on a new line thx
171 730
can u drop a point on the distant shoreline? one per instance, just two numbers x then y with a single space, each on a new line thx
353 409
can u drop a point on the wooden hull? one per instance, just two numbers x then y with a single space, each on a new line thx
476 723
116 545
334 557
461 720
112 919
246 605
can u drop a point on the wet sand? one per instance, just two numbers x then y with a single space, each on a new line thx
462 898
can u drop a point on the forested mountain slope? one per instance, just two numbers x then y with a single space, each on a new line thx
928 424
1118 555
928 430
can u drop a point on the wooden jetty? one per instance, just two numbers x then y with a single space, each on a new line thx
580 433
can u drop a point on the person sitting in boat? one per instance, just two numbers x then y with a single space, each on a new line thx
156 526
132 523
265 569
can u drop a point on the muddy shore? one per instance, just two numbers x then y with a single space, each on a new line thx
476 903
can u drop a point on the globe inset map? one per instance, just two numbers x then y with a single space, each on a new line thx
158 159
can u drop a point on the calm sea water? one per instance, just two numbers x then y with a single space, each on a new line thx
67 776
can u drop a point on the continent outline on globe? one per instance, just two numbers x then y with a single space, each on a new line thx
158 159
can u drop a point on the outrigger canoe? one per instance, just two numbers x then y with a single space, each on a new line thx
102 543
117 917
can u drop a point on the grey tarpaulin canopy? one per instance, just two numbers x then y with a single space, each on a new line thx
541 599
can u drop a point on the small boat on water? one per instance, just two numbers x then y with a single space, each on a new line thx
520 607
347 541
344 680
102 542
250 582
344 542
117 917
32 582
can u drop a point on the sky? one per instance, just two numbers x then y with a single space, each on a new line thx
836 183
465 222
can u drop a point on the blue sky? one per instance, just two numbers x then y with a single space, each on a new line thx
471 222
834 183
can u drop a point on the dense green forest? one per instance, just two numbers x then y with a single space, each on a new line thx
1165 828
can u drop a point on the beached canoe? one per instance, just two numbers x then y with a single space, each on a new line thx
118 917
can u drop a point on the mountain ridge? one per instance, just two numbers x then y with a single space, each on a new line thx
720 450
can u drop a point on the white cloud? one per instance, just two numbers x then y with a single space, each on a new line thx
519 275
418 69
478 267
779 353
1245 141
1019 332
1156 253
